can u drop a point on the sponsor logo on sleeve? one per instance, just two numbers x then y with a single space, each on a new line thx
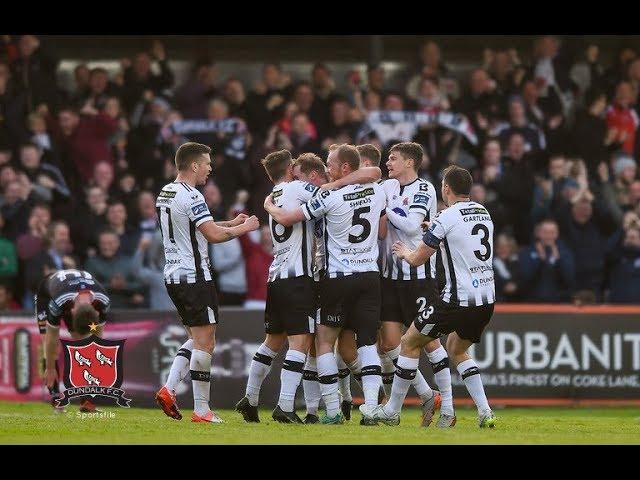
309 188
419 198
200 208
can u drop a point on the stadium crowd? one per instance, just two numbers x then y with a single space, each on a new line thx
551 143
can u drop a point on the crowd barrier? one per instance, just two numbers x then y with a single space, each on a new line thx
529 355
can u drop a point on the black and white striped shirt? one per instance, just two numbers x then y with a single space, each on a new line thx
181 210
407 206
292 246
352 215
463 237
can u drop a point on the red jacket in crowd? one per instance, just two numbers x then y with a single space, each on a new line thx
88 145
257 263
623 119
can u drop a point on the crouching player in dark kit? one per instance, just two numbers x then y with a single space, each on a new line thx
462 235
75 297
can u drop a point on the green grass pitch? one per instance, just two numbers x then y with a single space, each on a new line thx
34 423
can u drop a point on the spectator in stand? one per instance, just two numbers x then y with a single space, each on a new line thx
430 66
7 302
624 254
236 99
128 237
622 119
228 263
549 193
90 219
117 272
324 96
619 70
266 102
84 138
139 78
194 95
8 260
103 177
34 241
258 258
480 103
592 140
149 267
376 80
429 98
496 210
127 192
100 89
585 227
58 256
506 269
515 188
625 171
34 73
551 71
341 128
501 66
48 182
588 72
300 140
15 208
547 267
518 123
213 199
147 218
39 135
81 74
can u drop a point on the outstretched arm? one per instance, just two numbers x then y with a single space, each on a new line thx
282 216
362 175
415 257
217 234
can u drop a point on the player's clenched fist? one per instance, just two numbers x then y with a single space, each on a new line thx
252 223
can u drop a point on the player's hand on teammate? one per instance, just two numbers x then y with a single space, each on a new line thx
400 250
425 226
268 202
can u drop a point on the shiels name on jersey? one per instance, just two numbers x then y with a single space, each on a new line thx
362 197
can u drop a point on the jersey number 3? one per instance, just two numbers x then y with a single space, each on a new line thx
484 241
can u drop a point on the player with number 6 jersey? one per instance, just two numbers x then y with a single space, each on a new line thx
350 291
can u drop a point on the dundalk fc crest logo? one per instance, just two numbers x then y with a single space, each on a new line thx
93 366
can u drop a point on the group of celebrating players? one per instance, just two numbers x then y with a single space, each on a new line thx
365 276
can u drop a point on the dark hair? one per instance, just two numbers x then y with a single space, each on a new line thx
276 164
30 145
349 154
95 70
85 315
188 153
412 151
459 179
370 152
310 162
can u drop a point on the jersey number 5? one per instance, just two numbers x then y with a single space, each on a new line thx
484 241
358 220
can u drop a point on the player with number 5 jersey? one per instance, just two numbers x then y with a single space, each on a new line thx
350 291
